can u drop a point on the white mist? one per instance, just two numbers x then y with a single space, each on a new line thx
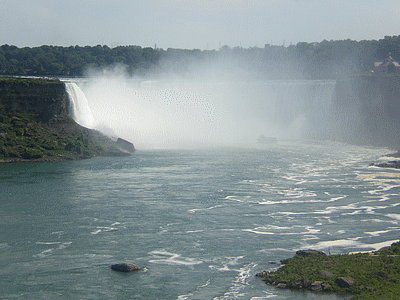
176 113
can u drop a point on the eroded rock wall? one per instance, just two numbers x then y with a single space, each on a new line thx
44 97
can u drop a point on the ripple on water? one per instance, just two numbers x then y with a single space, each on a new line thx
168 258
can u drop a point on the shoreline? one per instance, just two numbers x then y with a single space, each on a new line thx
61 158
366 275
392 163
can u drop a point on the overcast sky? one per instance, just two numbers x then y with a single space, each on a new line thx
194 24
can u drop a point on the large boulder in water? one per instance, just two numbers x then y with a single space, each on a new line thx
125 267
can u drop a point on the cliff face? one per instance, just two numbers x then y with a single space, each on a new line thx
368 109
34 125
47 99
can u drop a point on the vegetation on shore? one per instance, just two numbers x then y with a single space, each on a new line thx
374 275
27 135
318 60
24 138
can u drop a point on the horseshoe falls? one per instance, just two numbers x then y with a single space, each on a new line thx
193 113
201 221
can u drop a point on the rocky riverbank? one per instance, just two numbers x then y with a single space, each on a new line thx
372 275
395 163
35 126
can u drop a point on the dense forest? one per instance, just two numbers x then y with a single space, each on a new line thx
323 60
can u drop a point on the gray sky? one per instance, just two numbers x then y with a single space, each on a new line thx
194 24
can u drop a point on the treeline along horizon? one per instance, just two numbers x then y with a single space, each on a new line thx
322 60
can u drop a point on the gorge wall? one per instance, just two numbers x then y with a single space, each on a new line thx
367 110
46 98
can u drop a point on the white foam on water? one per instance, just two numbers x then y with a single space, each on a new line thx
165 257
288 201
98 256
193 210
275 227
349 243
226 263
58 232
185 297
239 282
194 231
49 251
394 216
198 290
297 193
206 284
377 246
377 233
47 243
268 296
258 232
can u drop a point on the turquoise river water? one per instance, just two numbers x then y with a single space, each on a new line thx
201 223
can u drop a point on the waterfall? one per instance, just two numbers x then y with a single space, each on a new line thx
301 108
79 108
175 113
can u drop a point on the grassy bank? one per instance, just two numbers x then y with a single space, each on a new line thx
23 138
374 275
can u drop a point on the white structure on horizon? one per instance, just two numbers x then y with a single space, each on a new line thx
388 66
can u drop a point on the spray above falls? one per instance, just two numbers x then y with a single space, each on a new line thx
168 113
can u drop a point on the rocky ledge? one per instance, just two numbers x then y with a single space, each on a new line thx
394 164
373 275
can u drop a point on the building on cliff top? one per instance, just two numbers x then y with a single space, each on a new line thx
388 66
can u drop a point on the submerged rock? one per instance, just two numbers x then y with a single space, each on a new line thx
125 267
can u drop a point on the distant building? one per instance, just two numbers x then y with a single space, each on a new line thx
388 66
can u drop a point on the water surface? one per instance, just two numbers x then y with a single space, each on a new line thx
201 223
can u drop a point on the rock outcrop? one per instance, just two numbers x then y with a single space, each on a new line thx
125 145
46 98
371 275
344 282
125 267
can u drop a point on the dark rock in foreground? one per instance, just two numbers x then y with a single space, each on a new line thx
125 267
